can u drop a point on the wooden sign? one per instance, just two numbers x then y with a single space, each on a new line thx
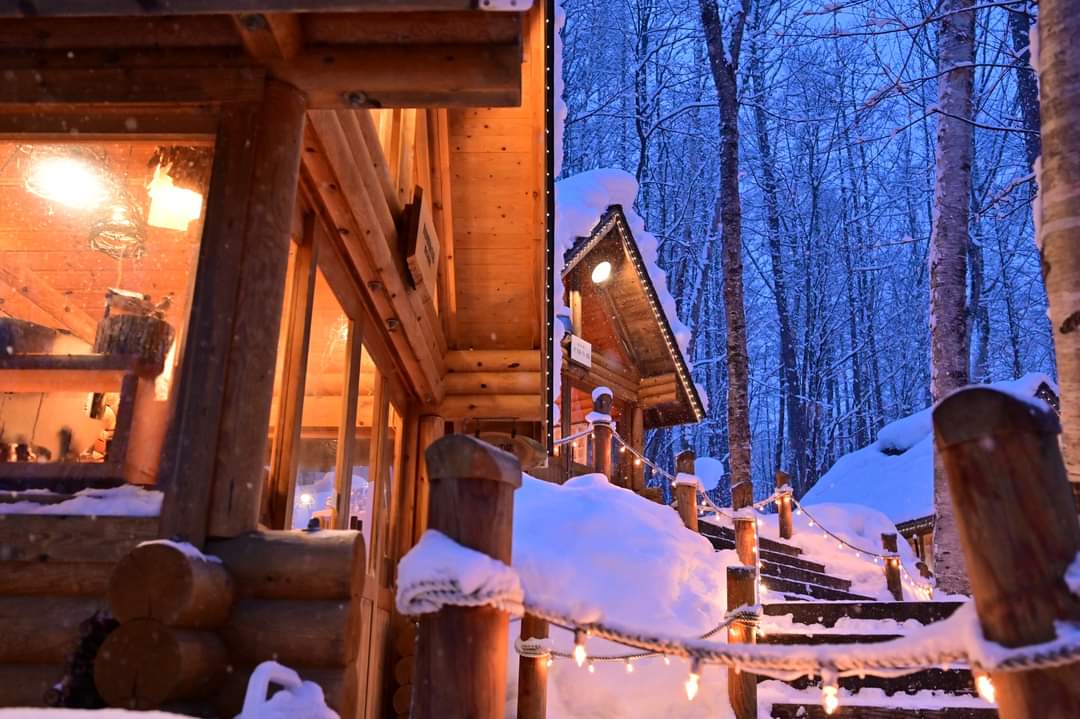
421 245
580 351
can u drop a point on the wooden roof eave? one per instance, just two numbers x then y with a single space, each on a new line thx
614 220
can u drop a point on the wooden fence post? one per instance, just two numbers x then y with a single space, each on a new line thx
532 673
888 541
742 686
686 492
746 540
460 667
1019 533
783 504
602 401
892 576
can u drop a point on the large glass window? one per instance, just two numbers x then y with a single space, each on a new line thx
99 242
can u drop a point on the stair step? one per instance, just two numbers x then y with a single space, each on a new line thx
828 614
767 556
796 639
708 528
808 589
786 571
951 681
815 711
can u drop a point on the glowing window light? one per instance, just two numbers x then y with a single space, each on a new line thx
601 272
67 181
172 207
306 500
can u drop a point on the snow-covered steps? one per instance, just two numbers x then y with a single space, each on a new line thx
795 591
951 682
815 711
828 614
767 556
768 545
771 568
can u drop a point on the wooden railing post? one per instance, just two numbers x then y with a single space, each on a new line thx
746 540
602 401
888 541
742 686
784 501
686 492
1019 532
532 673
892 576
460 665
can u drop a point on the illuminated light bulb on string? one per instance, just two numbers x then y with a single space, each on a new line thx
550 661
637 462
830 698
579 647
798 513
811 523
667 660
693 680
592 668
629 667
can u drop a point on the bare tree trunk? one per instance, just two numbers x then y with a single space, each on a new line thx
724 63
948 257
1059 190
1027 87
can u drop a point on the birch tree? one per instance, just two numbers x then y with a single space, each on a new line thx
949 241
1058 220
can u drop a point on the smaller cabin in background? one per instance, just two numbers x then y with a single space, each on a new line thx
619 336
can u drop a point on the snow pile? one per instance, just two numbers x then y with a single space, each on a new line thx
587 545
438 563
860 527
185 548
895 474
710 471
580 202
297 699
127 500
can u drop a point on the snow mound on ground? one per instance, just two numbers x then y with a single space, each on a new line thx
895 474
587 545
859 526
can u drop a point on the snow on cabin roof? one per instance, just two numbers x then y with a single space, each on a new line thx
895 474
589 206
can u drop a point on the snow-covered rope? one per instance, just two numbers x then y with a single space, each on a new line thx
571 437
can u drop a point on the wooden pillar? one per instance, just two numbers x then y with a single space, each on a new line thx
1019 533
602 402
637 441
784 503
431 427
892 576
213 469
888 541
746 540
566 414
742 686
461 651
532 673
686 491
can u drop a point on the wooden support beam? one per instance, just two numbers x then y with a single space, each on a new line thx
532 673
493 360
22 281
1018 528
270 36
742 686
99 8
492 383
785 522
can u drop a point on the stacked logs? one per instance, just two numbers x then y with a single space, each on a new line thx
193 627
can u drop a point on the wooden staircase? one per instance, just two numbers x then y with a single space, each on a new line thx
814 601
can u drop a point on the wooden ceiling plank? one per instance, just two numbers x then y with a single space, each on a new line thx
270 36
30 285
418 28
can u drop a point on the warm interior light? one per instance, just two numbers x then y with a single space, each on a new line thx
172 207
601 272
68 181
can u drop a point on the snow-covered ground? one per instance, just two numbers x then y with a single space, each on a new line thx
895 474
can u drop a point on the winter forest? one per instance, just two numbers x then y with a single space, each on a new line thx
835 112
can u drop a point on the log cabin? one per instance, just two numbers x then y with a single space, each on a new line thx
619 336
256 257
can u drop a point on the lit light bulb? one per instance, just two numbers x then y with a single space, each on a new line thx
830 698
811 523
629 667
693 680
306 499
798 513
592 668
68 181
579 647
550 661
667 660
637 462
601 272
985 687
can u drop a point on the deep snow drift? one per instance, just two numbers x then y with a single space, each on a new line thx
895 474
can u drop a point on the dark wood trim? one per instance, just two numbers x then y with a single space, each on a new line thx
99 8
347 431
297 326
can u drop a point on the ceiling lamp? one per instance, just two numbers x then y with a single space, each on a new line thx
67 180
172 207
601 272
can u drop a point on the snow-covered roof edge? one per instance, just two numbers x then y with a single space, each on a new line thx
615 217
